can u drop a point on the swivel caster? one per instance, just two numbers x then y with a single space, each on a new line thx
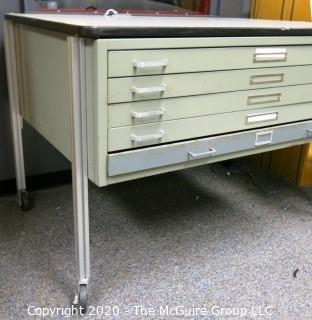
24 200
81 299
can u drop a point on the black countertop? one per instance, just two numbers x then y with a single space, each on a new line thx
129 26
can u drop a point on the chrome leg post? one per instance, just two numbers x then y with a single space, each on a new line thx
15 115
78 117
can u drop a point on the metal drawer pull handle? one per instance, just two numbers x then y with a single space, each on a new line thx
270 55
264 138
149 90
266 98
265 117
150 64
149 137
202 155
267 78
148 114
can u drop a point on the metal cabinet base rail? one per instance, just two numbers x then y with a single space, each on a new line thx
119 110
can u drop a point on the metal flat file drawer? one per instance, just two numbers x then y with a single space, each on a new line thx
148 62
176 130
139 112
179 85
208 148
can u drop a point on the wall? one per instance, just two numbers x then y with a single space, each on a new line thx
226 8
40 157
235 8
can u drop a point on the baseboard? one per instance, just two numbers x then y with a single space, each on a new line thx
38 182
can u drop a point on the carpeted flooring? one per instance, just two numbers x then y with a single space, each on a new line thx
228 242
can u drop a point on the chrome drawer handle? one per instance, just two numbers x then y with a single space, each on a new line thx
202 155
264 138
270 55
267 78
149 137
149 90
150 64
148 114
264 117
266 98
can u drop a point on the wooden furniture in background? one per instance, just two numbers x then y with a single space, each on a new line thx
202 6
295 163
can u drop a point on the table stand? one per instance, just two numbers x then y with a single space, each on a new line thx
76 56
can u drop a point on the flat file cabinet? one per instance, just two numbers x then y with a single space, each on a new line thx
127 97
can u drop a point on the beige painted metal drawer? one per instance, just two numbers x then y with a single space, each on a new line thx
178 85
148 62
183 129
132 113
206 150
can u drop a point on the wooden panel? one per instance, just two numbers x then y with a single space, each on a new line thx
305 169
287 10
285 163
261 160
189 4
295 164
301 10
268 9
266 160
256 160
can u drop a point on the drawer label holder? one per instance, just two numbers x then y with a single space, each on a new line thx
270 55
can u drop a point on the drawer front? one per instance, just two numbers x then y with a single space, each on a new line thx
196 150
179 85
127 114
149 62
183 129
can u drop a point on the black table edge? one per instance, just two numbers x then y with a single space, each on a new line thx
156 32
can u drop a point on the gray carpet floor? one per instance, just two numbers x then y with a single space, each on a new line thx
196 238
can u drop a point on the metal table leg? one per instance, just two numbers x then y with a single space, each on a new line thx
76 49
16 118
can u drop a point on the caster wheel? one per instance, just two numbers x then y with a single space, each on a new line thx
83 298
24 201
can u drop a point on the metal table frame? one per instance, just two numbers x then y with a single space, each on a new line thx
78 118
